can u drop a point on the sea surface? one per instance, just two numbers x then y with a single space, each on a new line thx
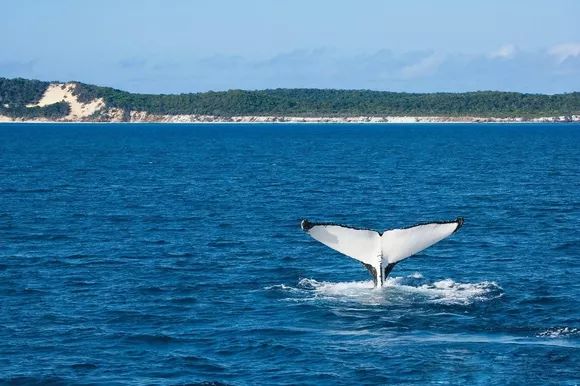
172 254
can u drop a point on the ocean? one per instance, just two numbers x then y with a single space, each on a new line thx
172 254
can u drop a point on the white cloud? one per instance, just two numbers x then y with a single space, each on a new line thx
413 71
426 66
506 51
564 51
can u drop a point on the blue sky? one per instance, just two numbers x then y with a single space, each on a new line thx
169 46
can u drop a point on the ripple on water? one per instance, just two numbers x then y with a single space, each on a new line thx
117 270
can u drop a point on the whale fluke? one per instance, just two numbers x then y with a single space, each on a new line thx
379 252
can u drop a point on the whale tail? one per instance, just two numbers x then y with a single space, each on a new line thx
379 252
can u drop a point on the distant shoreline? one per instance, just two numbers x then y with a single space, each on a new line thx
282 123
303 120
33 101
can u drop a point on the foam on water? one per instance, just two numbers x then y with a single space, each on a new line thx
397 290
560 332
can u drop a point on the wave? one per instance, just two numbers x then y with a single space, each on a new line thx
154 339
560 332
397 290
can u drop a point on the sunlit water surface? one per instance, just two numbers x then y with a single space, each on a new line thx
169 254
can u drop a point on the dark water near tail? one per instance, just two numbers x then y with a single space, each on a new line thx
167 254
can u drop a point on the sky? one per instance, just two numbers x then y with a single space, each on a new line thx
175 46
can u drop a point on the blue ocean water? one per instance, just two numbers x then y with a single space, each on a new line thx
172 254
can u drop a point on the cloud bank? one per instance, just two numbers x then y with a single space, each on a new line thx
552 70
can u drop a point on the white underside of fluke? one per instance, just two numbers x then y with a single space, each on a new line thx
379 252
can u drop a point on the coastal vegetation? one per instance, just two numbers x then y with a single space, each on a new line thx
53 111
15 94
20 92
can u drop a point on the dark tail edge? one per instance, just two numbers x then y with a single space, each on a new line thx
460 222
373 273
306 225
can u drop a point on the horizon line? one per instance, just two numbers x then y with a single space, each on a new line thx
297 88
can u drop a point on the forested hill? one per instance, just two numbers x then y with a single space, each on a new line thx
16 94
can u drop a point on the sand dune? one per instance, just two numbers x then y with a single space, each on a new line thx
64 92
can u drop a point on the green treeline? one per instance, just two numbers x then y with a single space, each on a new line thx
319 102
54 111
15 94
306 102
20 92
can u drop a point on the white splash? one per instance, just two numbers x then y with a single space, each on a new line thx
397 290
450 292
282 287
